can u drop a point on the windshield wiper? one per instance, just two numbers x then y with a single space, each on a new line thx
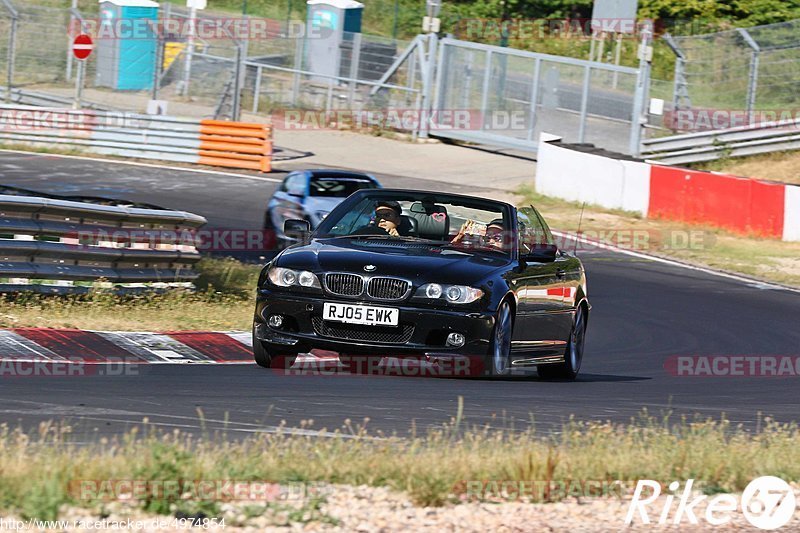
384 237
365 236
474 248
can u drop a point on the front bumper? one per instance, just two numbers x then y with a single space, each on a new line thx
422 331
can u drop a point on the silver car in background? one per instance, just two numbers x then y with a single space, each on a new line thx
311 195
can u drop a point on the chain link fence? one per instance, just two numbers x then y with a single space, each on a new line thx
449 88
221 75
736 77
510 97
287 79
34 43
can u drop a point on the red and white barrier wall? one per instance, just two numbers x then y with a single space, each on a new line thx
741 205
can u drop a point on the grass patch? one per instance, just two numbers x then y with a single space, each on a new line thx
43 149
223 301
705 245
39 473
777 166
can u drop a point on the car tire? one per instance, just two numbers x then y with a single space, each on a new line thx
267 358
498 362
573 355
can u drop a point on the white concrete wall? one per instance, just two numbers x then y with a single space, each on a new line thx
636 187
791 214
581 177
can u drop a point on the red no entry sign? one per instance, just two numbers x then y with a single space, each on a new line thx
82 46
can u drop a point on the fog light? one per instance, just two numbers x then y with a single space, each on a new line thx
275 321
456 339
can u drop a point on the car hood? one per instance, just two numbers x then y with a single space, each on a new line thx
415 261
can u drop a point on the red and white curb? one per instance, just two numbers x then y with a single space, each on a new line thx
39 349
130 347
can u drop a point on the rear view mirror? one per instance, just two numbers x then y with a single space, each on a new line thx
541 253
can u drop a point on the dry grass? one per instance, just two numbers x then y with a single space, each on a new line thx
37 471
760 258
779 166
223 301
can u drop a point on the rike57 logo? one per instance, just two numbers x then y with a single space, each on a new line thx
767 502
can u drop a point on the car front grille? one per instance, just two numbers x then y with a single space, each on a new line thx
378 288
344 284
354 332
388 288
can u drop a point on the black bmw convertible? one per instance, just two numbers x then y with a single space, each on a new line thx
403 273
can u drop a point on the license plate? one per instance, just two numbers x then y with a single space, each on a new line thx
361 314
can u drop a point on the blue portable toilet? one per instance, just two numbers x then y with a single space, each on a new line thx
126 44
330 27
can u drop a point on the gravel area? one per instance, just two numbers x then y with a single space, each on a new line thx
371 509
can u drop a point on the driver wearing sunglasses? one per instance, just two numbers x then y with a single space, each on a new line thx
387 217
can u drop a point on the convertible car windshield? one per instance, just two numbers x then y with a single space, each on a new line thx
468 223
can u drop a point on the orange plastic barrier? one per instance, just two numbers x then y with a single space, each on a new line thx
244 145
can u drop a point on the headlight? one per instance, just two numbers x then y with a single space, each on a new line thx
433 290
286 277
456 294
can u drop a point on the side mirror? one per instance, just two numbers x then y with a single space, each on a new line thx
541 253
297 229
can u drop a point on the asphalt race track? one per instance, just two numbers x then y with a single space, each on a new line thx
643 313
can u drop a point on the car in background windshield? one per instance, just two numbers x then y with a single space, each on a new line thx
310 195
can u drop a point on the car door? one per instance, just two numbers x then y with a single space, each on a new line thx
568 269
543 324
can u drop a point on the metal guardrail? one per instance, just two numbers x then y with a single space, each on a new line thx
38 98
731 142
64 245
206 142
